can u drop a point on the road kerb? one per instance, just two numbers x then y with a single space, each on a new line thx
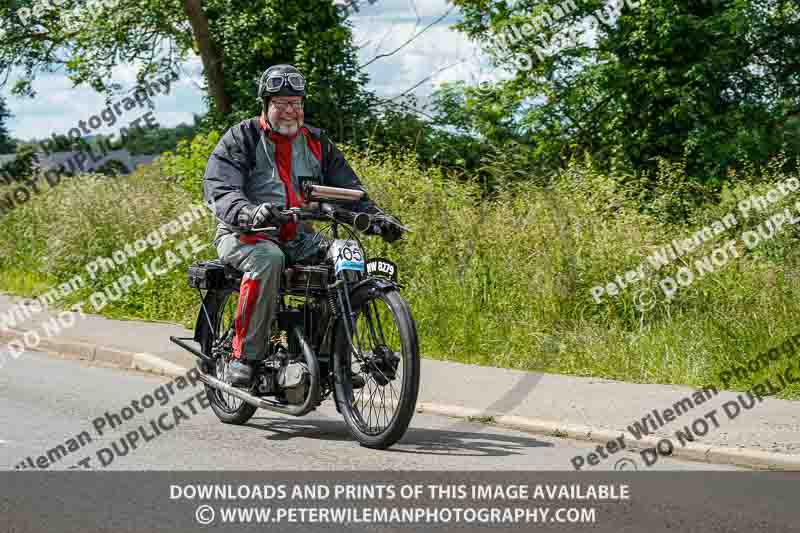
115 356
745 457
753 458
64 348
152 363
69 349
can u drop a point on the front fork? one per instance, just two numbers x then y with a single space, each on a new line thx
345 309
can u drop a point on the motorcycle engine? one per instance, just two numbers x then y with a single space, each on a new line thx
293 379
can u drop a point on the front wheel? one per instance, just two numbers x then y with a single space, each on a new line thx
381 354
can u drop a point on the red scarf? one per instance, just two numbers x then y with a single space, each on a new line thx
283 160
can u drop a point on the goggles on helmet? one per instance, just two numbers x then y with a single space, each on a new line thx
275 82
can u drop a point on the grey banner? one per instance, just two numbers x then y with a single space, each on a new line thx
477 501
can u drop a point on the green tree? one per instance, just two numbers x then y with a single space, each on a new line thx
7 144
151 141
310 34
714 83
236 40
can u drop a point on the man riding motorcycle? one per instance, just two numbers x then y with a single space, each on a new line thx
257 170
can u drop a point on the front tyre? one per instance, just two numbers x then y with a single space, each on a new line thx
384 354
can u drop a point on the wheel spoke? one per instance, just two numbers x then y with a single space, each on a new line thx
383 403
371 397
360 350
373 304
368 315
376 343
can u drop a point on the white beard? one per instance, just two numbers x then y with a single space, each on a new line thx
287 128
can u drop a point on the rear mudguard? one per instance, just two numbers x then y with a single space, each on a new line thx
206 315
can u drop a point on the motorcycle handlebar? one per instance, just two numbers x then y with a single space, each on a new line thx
362 222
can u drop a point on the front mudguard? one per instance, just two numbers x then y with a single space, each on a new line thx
369 288
374 283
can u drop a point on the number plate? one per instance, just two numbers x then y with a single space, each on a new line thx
382 267
347 255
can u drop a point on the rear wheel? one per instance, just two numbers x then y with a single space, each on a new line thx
219 344
384 353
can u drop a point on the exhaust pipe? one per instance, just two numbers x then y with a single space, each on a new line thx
262 403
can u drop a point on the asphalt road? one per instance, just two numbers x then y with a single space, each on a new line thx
46 401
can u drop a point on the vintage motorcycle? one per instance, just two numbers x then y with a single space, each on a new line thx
341 328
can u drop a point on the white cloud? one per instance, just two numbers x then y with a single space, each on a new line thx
59 107
381 27
396 9
440 53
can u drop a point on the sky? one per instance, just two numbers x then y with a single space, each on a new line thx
440 53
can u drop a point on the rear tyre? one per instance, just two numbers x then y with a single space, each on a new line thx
217 342
385 352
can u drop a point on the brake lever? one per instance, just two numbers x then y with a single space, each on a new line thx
389 218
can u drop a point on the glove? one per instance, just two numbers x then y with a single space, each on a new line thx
390 229
260 216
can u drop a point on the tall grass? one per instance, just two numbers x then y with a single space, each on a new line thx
53 237
503 282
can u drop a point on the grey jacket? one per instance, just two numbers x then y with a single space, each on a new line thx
242 171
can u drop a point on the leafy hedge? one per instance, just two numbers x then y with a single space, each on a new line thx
504 282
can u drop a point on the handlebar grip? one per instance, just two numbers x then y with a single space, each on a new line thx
291 216
323 192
